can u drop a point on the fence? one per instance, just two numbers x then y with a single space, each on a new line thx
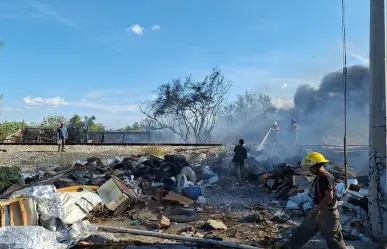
76 135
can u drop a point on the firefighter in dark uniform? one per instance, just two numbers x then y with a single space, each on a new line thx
293 132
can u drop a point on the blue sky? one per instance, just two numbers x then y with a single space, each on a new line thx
103 57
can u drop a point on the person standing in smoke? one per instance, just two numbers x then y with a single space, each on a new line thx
240 154
324 217
274 130
293 132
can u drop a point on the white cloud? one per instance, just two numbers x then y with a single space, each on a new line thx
284 86
114 108
155 27
44 102
136 28
58 101
282 102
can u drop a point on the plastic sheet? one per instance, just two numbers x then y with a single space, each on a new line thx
48 204
301 198
340 189
201 200
78 231
56 208
291 205
35 192
307 206
28 237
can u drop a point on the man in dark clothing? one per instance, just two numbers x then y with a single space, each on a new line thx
324 217
240 154
61 137
293 132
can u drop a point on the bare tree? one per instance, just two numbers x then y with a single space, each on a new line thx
188 109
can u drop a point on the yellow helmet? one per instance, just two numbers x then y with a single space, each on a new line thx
275 123
312 159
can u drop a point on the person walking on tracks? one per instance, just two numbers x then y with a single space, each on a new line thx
61 137
324 217
240 154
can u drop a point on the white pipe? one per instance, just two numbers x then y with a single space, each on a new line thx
175 237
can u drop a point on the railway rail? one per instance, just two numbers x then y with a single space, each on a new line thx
120 144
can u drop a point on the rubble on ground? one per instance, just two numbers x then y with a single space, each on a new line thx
194 196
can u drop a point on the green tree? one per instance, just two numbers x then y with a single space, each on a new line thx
90 119
52 121
96 127
9 128
75 121
131 128
92 126
249 107
136 126
189 108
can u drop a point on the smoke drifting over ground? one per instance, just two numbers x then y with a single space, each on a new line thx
320 112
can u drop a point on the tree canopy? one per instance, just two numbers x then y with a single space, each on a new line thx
187 107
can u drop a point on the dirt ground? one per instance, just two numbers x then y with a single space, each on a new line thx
251 215
30 157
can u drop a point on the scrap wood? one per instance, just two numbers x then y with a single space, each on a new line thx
78 188
172 196
216 224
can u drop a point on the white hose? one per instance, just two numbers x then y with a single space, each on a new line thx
175 237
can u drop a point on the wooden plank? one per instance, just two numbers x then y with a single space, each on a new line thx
172 196
2 213
23 213
10 210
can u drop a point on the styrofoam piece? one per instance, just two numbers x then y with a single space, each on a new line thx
114 193
353 181
291 205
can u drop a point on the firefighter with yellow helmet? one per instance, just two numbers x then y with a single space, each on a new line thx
274 128
324 217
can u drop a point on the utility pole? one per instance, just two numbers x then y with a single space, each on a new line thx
377 124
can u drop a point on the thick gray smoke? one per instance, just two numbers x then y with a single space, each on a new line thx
320 112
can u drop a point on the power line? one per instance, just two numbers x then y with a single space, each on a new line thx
345 88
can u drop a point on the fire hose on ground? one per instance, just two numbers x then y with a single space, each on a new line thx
175 237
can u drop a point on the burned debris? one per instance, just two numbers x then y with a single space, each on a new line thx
194 196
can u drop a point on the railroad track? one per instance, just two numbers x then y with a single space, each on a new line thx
118 144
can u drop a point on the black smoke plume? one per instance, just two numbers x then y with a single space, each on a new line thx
320 112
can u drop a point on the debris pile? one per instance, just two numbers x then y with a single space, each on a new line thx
60 198
167 195
294 184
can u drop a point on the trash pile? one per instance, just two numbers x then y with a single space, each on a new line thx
55 206
57 203
294 184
